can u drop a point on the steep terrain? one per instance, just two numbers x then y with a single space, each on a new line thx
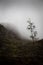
22 52
10 43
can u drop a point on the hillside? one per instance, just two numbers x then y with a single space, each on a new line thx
12 48
9 42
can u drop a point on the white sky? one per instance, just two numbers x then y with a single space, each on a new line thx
16 13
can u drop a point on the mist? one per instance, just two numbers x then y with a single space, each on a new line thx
16 13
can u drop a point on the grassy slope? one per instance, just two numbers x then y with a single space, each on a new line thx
20 51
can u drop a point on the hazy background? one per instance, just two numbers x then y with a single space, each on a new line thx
16 13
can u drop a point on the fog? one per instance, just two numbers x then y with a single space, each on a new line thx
16 13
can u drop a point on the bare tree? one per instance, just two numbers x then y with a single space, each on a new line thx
32 27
